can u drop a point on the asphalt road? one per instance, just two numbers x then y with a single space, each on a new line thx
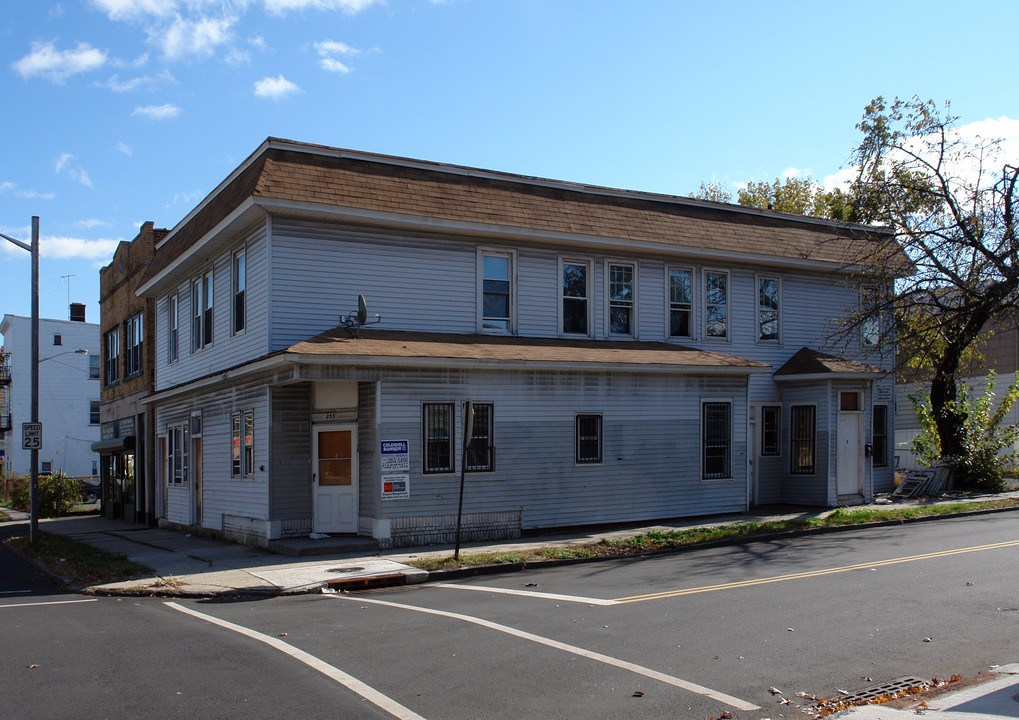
688 635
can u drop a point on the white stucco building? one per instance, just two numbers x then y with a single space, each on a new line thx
68 394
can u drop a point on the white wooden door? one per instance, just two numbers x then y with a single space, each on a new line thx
849 461
334 479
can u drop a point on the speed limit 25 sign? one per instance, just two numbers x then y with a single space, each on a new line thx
31 436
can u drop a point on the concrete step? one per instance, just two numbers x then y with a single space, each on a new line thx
332 545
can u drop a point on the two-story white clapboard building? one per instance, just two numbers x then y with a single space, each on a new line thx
630 356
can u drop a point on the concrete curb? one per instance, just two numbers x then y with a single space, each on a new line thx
397 579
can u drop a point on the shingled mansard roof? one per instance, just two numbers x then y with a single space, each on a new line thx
302 180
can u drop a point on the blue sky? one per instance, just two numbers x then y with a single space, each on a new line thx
120 111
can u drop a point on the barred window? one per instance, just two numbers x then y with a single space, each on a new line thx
481 451
716 425
437 432
880 436
771 424
803 427
589 439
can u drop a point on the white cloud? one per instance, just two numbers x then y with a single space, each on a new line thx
6 186
795 172
275 88
124 148
138 62
34 195
57 246
350 7
328 50
135 9
193 38
63 165
91 223
56 65
188 198
167 111
258 42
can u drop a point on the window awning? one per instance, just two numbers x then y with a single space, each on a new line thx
114 445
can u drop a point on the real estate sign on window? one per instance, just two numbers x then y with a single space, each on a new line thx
395 465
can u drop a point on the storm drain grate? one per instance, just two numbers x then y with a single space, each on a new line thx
893 688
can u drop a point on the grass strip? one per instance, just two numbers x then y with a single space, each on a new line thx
667 539
82 564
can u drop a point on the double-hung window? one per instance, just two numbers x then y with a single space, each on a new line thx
94 367
111 357
771 424
481 450
437 437
802 422
177 454
716 304
239 283
576 293
201 312
622 298
589 438
870 325
768 319
172 334
496 291
879 438
133 352
680 302
93 412
716 439
242 432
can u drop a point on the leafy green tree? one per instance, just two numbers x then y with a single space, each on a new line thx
713 191
989 451
950 204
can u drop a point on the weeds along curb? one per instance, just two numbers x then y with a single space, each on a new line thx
458 573
64 583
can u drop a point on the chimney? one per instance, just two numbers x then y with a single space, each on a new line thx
78 312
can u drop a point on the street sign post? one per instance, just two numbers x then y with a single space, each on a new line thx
31 436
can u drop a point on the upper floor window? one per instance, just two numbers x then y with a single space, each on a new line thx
496 291
111 357
133 351
172 325
94 367
437 437
870 325
58 340
767 309
716 304
239 283
680 302
622 298
716 439
576 294
201 312
93 412
481 450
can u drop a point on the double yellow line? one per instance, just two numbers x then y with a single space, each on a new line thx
814 573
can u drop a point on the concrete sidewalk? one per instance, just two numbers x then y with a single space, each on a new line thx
192 566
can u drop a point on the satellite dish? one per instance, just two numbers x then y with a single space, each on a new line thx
362 310
354 320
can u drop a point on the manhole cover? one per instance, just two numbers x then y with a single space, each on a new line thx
345 569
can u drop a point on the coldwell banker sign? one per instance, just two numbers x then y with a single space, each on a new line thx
395 465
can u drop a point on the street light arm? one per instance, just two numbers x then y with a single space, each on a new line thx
22 245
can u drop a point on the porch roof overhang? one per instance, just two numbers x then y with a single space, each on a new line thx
404 349
114 445
809 365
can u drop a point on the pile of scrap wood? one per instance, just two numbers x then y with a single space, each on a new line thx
929 481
